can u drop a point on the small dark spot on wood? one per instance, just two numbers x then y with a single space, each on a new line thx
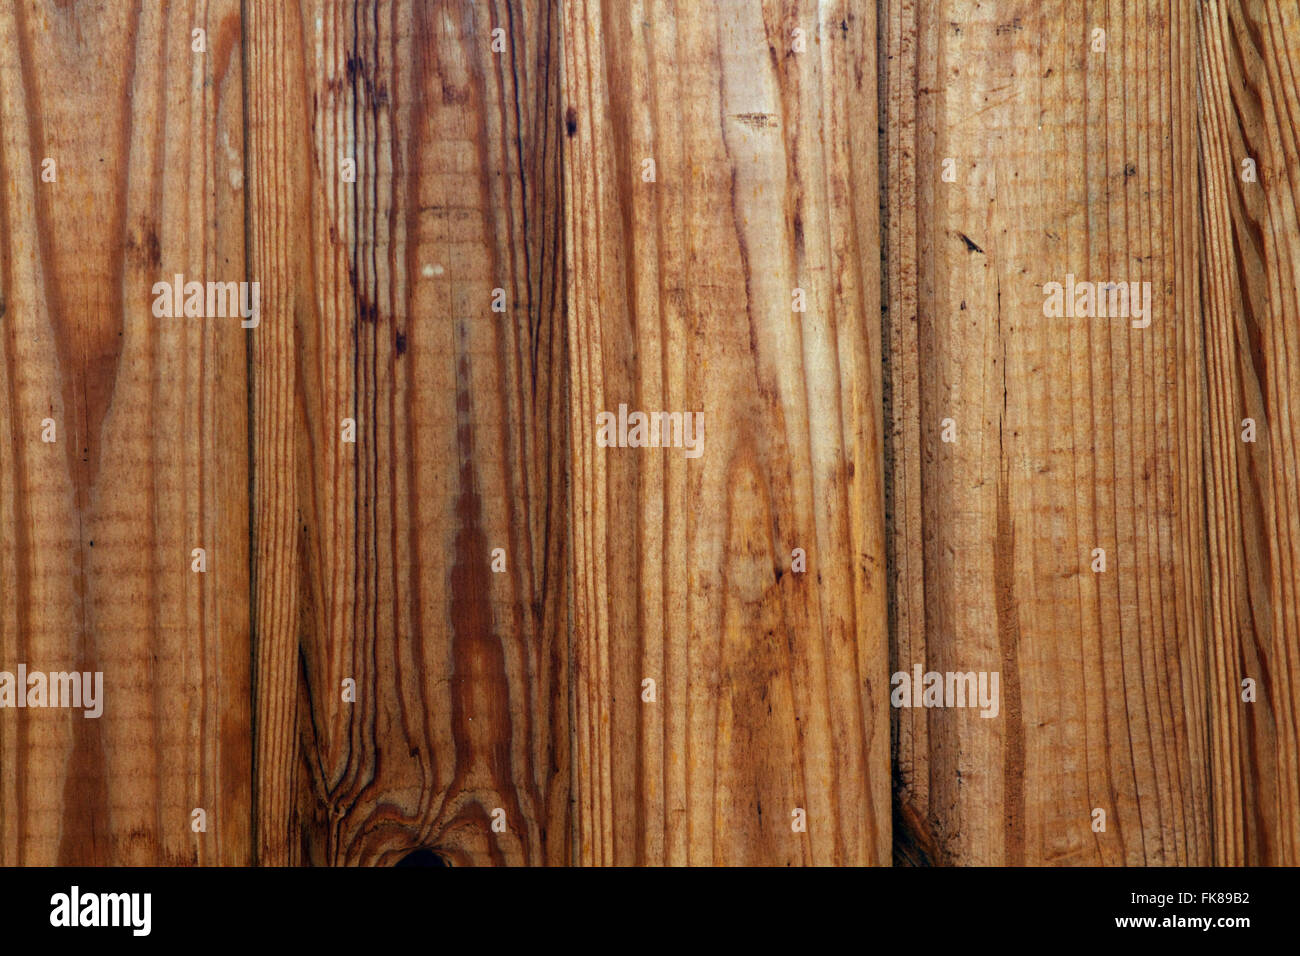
1130 170
963 305
366 310
143 247
969 243
780 573
844 26
401 344
571 121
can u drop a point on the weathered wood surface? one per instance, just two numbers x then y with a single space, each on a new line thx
1071 433
374 557
1250 87
149 459
783 161
771 684
1121 690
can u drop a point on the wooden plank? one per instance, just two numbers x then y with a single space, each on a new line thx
374 559
149 459
1071 433
1249 63
770 684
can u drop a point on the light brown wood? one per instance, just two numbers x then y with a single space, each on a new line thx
1072 433
642 674
770 684
374 559
150 453
1250 87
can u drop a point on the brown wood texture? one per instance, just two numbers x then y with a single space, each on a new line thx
770 683
1250 89
1121 690
1070 433
438 614
374 557
150 455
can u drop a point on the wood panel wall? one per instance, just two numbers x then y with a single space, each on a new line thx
436 620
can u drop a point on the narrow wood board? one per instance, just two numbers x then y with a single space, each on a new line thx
1069 433
374 558
149 459
766 739
1250 94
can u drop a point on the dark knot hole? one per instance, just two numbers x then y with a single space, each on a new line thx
422 857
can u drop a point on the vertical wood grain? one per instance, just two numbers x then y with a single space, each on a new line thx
374 558
500 150
97 529
1250 91
772 690
1071 433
